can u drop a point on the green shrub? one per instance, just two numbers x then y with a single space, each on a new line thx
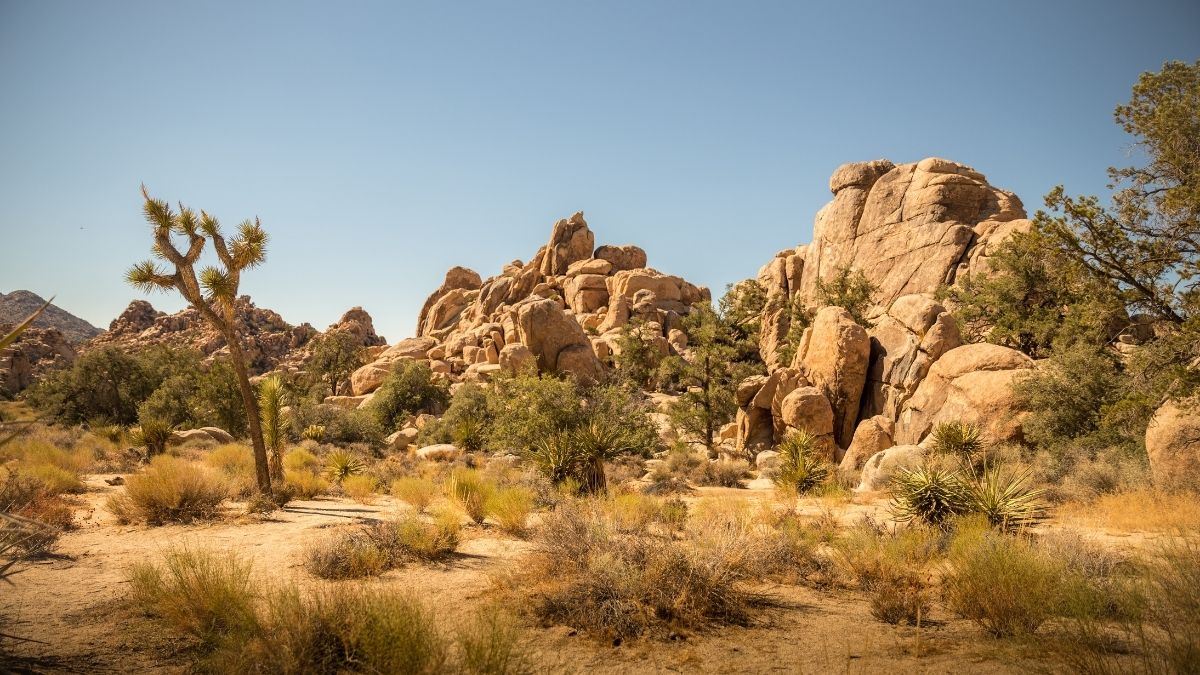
360 487
170 490
417 492
305 484
409 389
1004 584
465 423
800 470
313 432
203 594
300 459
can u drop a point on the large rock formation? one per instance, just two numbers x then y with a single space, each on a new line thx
909 229
15 307
50 342
561 312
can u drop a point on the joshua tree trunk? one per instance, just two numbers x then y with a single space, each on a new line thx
261 471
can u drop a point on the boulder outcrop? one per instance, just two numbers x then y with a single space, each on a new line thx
1173 445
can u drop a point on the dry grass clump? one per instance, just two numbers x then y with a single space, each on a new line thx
596 577
326 630
510 508
360 488
376 548
170 490
894 568
57 468
418 493
1138 510
208 596
301 459
236 463
468 489
726 472
304 484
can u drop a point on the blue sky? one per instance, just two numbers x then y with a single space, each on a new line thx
381 143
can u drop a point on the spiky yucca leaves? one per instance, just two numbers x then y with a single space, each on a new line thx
154 434
274 422
212 292
1005 498
959 439
929 495
340 465
800 469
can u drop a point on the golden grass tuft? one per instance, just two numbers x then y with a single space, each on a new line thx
1136 511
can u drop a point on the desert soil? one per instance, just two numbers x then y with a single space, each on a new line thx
72 604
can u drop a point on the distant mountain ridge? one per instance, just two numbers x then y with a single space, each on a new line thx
18 305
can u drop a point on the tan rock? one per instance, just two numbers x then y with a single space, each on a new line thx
368 378
873 435
807 408
589 266
442 452
622 257
516 357
1173 445
586 293
548 331
835 358
879 470
570 241
457 278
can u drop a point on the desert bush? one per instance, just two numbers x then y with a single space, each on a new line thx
206 595
465 422
339 426
417 492
301 459
1003 583
409 389
589 575
304 484
510 508
893 567
1174 603
360 487
341 464
490 643
55 480
170 490
376 548
726 473
236 462
800 469
470 492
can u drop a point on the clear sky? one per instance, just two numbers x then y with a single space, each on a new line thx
381 143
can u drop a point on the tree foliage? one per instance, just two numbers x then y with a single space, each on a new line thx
334 357
409 389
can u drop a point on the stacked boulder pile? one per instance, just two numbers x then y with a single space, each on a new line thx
561 312
873 394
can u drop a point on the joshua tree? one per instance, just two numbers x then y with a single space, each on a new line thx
213 293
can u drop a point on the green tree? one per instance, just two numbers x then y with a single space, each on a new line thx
638 355
212 292
102 383
850 290
408 390
707 375
335 356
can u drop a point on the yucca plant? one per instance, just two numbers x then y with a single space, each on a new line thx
1005 498
154 434
800 470
930 495
468 434
958 439
313 432
340 465
274 422
555 456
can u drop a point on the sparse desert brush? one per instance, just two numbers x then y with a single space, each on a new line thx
55 480
340 465
236 462
510 508
301 459
1138 510
726 472
283 629
416 492
490 643
893 567
633 512
305 484
1003 583
56 468
170 490
204 594
470 491
616 584
1174 603
374 549
360 488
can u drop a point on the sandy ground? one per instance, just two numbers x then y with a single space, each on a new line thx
72 604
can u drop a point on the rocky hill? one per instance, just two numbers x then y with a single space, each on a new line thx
268 341
910 229
15 307
562 311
